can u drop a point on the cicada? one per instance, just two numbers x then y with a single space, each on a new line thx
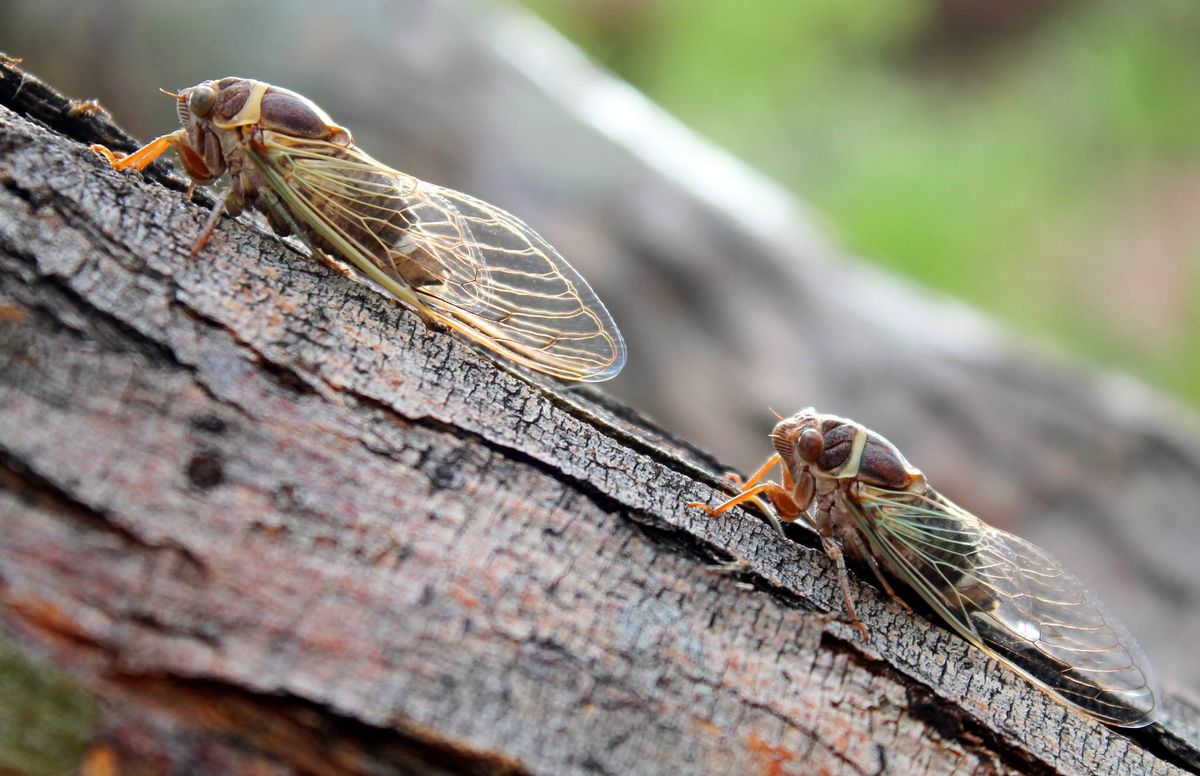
457 260
1004 595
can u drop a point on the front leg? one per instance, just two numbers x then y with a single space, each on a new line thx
782 500
141 158
753 489
193 163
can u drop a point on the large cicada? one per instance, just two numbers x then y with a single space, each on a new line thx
1003 594
455 259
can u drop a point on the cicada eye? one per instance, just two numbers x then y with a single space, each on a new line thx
810 444
201 100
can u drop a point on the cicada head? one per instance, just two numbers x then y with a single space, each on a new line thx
220 115
826 447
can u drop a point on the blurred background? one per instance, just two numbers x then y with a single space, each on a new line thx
793 202
1038 159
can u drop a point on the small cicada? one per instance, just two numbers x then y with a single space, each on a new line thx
1001 593
458 261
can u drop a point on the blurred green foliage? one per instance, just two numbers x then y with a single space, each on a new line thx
1039 159
46 721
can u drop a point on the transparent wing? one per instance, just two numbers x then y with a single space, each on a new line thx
472 266
1013 600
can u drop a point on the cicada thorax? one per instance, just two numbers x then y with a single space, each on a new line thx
850 451
868 481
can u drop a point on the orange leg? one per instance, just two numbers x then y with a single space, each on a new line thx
773 490
780 496
194 164
142 157
742 485
758 475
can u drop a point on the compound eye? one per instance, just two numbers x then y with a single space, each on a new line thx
810 444
201 100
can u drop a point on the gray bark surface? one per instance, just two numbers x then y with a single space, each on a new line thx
265 519
733 302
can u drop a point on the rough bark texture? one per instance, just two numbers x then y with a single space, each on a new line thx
256 516
731 300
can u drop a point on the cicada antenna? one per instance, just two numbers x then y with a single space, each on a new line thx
168 93
776 414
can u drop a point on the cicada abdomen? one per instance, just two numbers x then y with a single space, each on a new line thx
1003 594
1014 600
459 261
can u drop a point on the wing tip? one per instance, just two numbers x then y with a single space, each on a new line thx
613 369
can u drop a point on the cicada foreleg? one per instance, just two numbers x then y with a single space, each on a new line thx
752 491
193 163
779 497
755 478
759 504
140 159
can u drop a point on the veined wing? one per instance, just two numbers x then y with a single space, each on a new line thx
1014 601
472 266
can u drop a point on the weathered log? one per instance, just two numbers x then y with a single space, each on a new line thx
257 516
731 300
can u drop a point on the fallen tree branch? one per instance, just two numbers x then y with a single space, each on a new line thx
259 516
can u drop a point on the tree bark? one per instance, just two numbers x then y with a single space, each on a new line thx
256 516
730 298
